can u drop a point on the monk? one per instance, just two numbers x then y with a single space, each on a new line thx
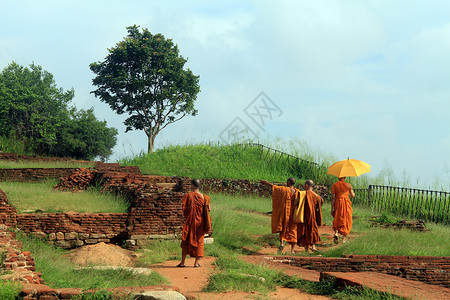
308 231
341 209
283 198
193 230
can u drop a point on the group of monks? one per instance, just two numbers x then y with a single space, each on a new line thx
296 216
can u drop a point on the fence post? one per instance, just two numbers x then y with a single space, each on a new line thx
369 196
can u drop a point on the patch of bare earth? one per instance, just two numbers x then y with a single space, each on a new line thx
102 254
192 280
189 280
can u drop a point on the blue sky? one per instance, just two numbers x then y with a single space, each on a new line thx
360 79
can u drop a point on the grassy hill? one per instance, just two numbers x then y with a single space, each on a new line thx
227 162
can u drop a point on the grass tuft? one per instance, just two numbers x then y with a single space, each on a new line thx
31 197
211 161
59 272
10 290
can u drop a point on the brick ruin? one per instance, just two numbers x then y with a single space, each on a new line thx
428 269
155 213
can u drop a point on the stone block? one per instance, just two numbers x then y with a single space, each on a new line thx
98 236
130 242
83 236
70 235
52 236
139 237
63 244
59 236
166 295
78 243
141 242
39 234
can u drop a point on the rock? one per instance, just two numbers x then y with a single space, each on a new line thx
59 236
159 295
70 235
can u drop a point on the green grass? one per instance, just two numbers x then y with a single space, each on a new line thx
233 274
24 164
329 288
13 145
241 226
9 290
59 272
405 242
159 251
98 294
210 161
30 197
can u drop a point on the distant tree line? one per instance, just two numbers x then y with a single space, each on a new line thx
37 113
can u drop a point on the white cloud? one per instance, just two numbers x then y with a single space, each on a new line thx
354 78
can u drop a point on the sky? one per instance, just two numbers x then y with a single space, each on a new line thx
355 78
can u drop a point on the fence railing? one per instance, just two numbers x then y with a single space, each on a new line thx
416 203
296 165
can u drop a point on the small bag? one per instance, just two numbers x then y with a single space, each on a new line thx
299 210
206 218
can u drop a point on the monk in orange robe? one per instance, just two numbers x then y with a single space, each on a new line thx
283 198
341 209
192 240
308 231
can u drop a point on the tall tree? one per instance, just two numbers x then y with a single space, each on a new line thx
34 111
31 105
144 76
84 137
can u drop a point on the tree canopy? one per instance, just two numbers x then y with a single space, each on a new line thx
144 76
35 111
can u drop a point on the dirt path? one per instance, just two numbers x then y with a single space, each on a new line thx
192 280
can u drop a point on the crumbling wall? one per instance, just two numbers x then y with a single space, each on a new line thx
428 269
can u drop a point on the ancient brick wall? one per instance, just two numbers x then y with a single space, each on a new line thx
116 167
74 230
18 262
9 156
155 211
235 186
428 269
245 187
8 213
34 174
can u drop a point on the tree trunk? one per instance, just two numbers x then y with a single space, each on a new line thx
151 143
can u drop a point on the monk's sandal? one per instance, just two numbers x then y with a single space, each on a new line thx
336 239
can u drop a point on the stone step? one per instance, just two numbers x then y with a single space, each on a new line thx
409 289
167 186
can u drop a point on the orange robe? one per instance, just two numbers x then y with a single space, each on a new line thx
308 231
342 207
193 229
282 211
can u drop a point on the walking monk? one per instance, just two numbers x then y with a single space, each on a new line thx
308 231
193 229
283 198
341 209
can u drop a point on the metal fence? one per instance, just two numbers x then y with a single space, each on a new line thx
421 204
415 203
295 165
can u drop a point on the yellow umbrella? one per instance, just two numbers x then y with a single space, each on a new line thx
348 167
